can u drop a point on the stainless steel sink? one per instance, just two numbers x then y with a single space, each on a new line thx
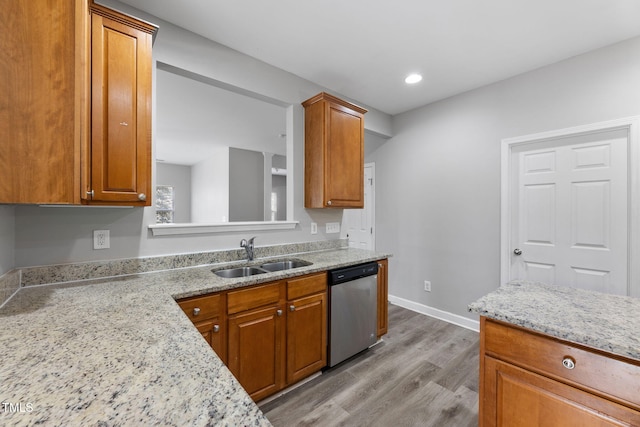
286 264
240 272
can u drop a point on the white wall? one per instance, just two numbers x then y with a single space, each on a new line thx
179 177
210 180
7 238
60 235
438 178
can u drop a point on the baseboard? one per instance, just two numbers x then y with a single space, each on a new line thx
288 389
455 319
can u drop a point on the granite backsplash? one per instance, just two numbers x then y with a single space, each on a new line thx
49 274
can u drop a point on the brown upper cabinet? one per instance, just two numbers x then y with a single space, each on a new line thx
334 153
120 165
76 105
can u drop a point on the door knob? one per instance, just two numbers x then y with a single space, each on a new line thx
517 251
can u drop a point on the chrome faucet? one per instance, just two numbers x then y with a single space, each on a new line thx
248 246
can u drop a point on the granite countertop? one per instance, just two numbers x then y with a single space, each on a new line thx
602 321
120 351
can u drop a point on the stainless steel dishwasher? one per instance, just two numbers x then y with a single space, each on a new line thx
352 310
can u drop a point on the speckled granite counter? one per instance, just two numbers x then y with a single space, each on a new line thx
120 351
607 322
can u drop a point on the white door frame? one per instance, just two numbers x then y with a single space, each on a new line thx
632 125
372 202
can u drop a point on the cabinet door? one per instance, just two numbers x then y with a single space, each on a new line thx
334 153
517 397
120 112
383 296
213 332
306 336
256 350
43 76
344 165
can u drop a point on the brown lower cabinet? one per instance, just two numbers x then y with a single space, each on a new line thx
257 351
306 326
208 315
273 335
531 379
276 333
383 294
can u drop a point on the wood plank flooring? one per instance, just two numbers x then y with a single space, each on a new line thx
424 373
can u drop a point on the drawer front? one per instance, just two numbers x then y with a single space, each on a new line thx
308 285
246 299
202 308
572 364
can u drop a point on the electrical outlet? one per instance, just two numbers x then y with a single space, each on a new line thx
333 227
101 239
314 228
427 286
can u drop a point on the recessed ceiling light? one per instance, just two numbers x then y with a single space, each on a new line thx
413 78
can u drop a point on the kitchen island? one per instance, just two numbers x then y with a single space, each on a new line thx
120 351
553 355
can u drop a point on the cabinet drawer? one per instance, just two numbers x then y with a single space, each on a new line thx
202 308
594 371
246 299
308 285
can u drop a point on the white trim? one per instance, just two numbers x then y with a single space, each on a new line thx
455 319
288 389
223 227
632 125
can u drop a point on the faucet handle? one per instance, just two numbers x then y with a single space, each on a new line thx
243 243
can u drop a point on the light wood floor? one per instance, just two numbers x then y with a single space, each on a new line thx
424 373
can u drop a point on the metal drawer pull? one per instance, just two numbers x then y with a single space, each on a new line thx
292 308
568 363
279 312
216 328
196 311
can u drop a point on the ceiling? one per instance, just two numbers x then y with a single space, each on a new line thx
363 49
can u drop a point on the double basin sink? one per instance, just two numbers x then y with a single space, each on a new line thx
267 267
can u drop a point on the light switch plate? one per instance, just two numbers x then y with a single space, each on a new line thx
333 227
101 239
314 228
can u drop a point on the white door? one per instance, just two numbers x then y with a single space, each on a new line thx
569 212
359 223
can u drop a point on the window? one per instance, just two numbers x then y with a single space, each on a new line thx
164 204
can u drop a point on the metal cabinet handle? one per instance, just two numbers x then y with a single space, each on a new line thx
568 362
329 203
216 328
196 311
517 251
90 193
142 197
292 307
279 312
